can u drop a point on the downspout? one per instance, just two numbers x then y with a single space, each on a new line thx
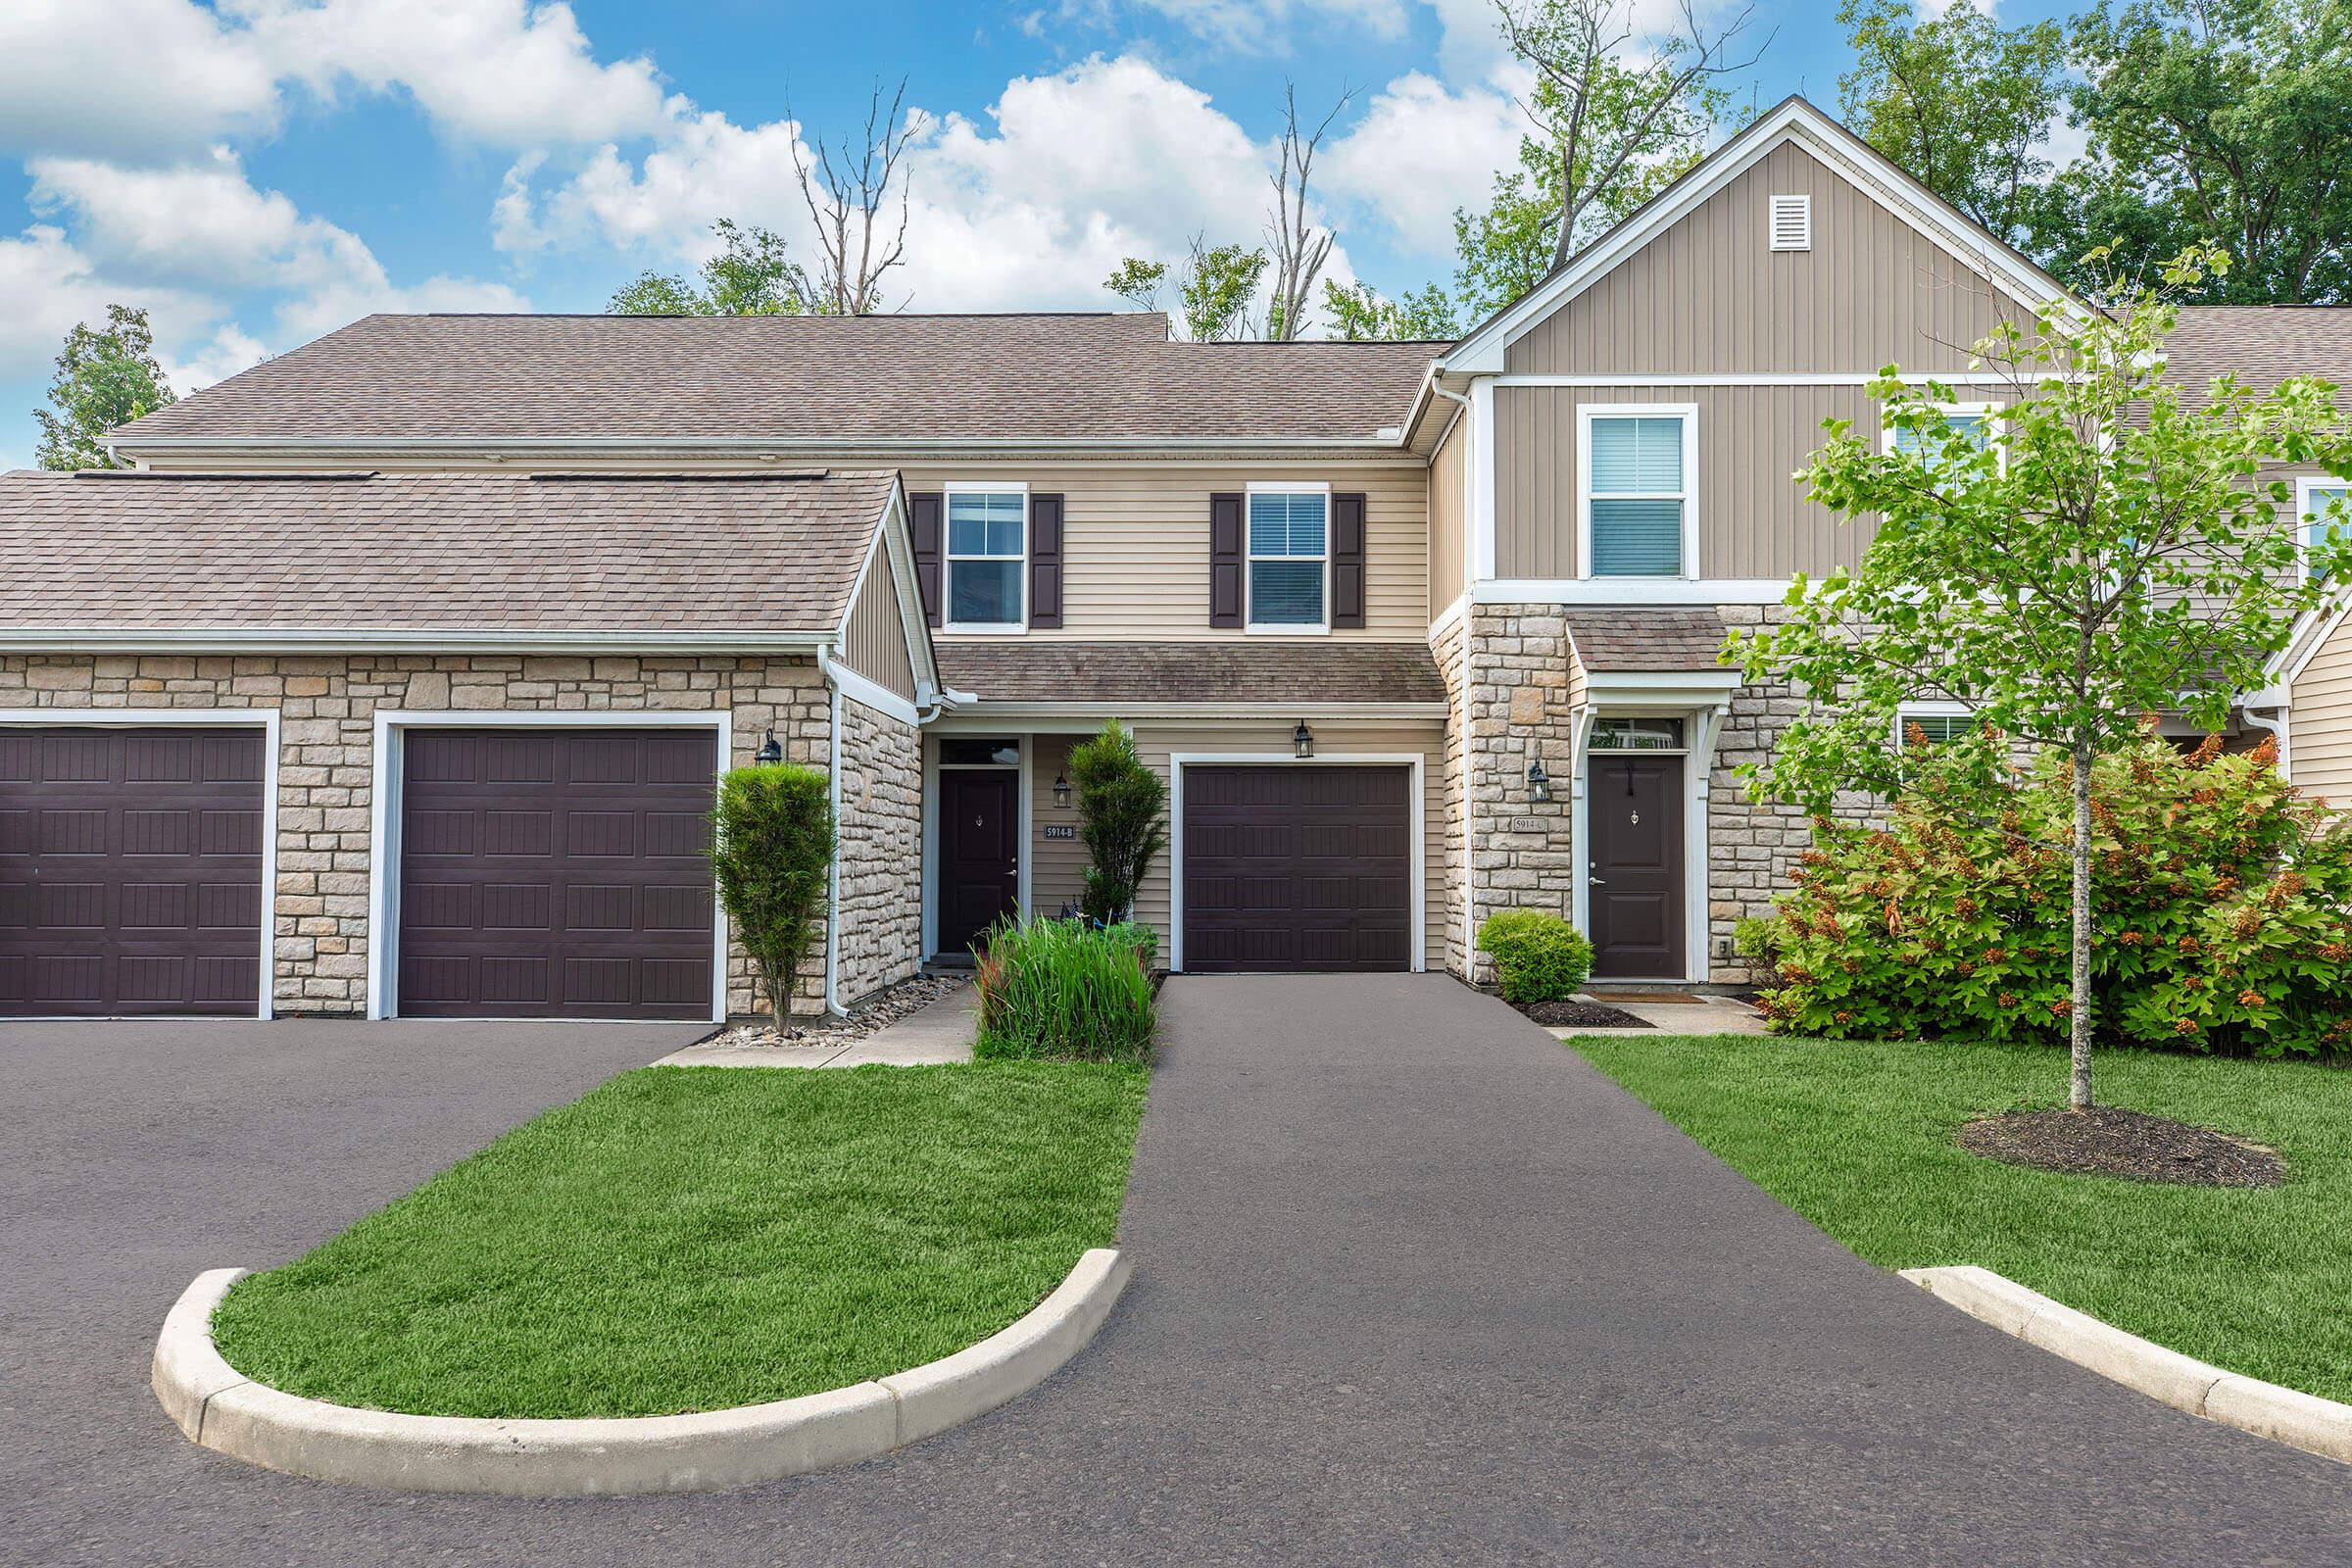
1469 610
834 753
2275 698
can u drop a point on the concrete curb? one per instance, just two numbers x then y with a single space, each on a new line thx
2285 1415
221 1409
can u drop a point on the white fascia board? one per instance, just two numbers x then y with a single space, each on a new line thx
732 446
872 694
1482 353
982 714
350 640
1632 592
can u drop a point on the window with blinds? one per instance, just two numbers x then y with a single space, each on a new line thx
1636 486
987 552
2326 511
1289 538
1940 729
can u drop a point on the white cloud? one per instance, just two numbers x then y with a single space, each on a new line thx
228 350
51 285
1262 27
1421 151
126 78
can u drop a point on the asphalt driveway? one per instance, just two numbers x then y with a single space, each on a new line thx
1414 1285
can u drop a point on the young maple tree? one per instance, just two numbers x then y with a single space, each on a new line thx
2102 545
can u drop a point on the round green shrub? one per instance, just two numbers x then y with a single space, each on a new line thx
1538 956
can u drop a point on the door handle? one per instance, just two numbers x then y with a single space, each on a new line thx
1594 882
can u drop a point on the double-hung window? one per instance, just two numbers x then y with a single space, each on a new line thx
1289 548
987 559
1972 422
1641 482
2325 508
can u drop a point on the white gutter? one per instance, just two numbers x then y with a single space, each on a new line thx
834 752
1469 753
348 640
738 446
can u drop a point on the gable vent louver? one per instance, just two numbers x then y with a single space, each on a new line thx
1792 222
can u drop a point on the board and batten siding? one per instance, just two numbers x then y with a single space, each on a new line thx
2320 723
1753 518
875 640
1449 519
1135 542
1156 743
1057 866
1709 295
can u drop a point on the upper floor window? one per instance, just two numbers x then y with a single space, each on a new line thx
1289 556
987 558
1972 422
1939 722
1640 479
2313 498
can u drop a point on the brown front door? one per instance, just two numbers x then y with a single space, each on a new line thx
131 870
556 873
1303 867
1635 810
979 851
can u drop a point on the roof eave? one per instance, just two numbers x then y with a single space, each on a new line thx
724 446
402 640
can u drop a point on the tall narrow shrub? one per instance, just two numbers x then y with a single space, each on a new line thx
1123 808
772 840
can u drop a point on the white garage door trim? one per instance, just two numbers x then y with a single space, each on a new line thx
383 837
1180 760
264 720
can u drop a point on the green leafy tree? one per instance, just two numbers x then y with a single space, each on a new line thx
772 843
2107 550
104 379
2223 120
751 276
1960 103
1358 314
1214 288
1122 816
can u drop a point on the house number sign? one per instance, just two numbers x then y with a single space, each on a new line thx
1060 831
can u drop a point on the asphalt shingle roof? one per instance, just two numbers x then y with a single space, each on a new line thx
1042 671
2264 344
1626 638
808 378
435 552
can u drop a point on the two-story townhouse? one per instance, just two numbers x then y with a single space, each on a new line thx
1415 631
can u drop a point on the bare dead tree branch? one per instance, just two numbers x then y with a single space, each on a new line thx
848 189
1299 251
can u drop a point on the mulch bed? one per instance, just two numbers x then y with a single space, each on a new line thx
871 1017
1581 1015
2111 1141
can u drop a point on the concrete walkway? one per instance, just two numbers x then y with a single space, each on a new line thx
1695 1015
1414 1285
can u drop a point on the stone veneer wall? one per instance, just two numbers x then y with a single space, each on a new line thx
1521 704
881 849
326 774
1447 649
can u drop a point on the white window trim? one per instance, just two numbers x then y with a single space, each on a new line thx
1586 414
1991 413
1419 892
264 720
1803 207
1905 713
1250 626
385 820
2306 485
947 556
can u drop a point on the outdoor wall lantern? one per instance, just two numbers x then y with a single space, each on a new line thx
769 750
1303 740
1539 782
1061 792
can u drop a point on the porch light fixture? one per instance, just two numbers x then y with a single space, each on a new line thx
1539 782
1303 740
1061 793
769 750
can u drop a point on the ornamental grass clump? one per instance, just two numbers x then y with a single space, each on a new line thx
1068 990
2221 908
1538 956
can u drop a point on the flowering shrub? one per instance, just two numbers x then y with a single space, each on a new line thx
2222 905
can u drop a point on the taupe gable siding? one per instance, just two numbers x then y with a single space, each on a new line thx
2320 723
1753 519
1135 542
874 641
1449 541
1709 296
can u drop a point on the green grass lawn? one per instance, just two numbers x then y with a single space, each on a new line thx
1858 1139
688 1239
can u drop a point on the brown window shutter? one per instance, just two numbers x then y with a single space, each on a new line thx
1225 561
1045 562
924 519
1346 561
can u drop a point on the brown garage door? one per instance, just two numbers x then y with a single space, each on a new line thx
1298 868
130 872
556 873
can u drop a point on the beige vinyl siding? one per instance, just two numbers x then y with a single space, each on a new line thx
1449 519
1156 743
874 642
1753 519
1057 866
1709 295
2320 723
1135 542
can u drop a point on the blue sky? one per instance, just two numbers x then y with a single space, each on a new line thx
258 171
